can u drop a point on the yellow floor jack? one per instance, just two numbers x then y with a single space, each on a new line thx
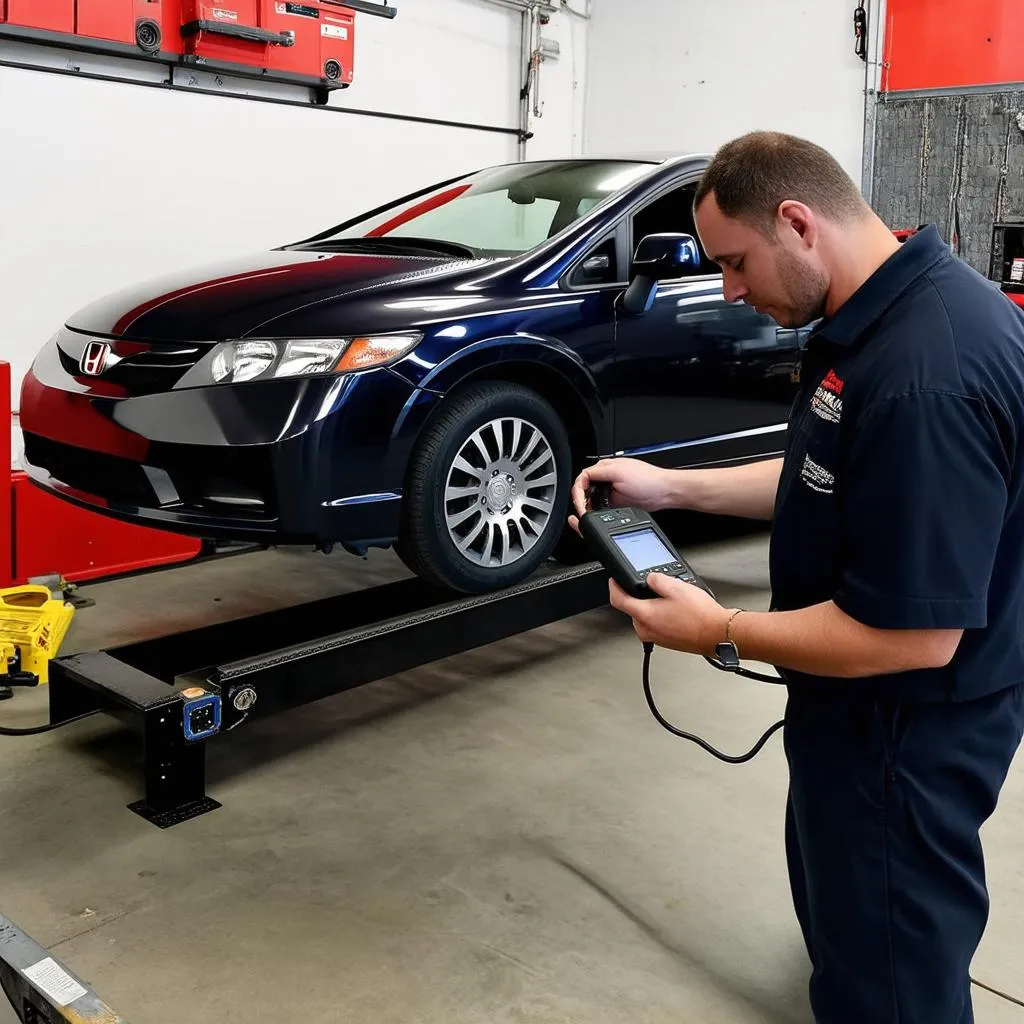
34 620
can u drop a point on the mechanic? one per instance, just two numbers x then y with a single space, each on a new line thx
896 565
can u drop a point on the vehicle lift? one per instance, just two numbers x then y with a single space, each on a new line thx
182 691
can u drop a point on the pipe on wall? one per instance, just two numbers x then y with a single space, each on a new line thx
530 58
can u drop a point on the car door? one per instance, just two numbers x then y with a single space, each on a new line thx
595 280
698 379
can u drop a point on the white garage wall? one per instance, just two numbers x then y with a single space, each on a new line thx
106 183
692 74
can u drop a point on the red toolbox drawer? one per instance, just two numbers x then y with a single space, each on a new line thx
229 31
135 22
51 15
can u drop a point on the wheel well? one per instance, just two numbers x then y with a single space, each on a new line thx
553 387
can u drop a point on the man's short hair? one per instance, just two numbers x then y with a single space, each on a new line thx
752 175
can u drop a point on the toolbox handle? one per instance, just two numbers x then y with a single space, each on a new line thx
250 33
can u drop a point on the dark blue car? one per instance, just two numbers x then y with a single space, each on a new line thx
430 376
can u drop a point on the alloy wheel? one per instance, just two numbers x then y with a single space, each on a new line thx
500 492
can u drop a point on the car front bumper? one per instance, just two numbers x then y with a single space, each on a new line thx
290 461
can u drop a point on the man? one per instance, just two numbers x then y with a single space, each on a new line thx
897 572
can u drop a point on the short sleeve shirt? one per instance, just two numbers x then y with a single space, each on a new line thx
901 497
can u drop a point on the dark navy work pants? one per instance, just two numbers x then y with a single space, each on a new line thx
886 800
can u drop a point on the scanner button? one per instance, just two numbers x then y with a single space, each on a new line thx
608 519
626 521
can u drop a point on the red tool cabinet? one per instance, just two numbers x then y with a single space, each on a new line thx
135 22
304 39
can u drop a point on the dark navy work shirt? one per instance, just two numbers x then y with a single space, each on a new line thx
901 496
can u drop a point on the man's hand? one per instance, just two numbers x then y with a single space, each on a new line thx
683 617
631 482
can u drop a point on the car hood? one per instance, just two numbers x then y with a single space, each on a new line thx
246 296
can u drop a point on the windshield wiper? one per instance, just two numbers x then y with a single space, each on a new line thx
390 244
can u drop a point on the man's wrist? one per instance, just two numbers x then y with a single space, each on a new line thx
683 489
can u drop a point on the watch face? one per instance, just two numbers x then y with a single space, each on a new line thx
728 653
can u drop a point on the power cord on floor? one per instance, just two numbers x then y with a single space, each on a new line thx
36 730
703 744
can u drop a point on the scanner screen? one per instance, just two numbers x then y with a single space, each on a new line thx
644 549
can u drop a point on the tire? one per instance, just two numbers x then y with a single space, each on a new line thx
500 500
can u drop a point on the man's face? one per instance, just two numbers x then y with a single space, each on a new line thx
780 276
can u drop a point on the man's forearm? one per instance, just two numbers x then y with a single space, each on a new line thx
824 641
744 491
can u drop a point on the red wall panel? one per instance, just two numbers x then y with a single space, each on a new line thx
937 44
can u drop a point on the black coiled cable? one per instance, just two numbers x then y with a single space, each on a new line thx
703 744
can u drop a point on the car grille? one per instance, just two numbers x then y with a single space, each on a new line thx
142 368
199 474
107 476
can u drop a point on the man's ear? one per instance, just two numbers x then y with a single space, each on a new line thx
800 220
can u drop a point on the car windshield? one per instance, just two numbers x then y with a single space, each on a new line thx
501 211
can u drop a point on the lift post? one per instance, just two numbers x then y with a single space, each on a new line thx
41 989
182 691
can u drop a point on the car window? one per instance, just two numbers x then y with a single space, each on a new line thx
672 212
489 222
504 210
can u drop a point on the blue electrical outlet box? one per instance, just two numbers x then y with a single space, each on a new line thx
201 715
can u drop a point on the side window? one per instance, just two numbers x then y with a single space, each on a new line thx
672 212
599 266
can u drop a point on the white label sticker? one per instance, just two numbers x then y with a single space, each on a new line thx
223 15
53 981
334 30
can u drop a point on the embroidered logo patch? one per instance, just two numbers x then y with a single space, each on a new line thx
817 477
827 402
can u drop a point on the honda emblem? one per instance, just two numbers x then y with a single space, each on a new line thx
94 358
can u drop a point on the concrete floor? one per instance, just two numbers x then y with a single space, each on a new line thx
506 836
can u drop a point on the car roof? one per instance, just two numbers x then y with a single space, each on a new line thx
652 157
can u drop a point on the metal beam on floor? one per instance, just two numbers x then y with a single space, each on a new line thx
41 989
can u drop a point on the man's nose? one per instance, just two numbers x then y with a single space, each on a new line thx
733 288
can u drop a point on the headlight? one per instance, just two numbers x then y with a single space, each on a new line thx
235 362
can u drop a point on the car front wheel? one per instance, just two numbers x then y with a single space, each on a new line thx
487 492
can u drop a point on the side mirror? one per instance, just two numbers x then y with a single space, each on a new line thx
658 258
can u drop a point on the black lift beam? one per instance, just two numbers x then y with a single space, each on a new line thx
182 691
